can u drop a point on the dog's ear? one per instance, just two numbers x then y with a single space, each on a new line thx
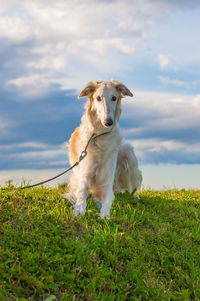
121 88
90 88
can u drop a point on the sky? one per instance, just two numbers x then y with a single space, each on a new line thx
51 49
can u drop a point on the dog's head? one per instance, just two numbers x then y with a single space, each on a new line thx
104 103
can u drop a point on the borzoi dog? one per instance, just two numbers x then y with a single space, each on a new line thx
110 165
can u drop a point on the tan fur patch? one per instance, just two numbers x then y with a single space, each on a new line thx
73 154
118 111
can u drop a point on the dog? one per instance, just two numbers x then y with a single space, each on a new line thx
110 165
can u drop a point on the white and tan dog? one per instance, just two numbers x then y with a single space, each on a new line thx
110 165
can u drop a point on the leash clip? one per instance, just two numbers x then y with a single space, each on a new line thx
83 155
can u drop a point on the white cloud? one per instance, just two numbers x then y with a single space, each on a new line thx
35 154
144 146
61 150
172 110
164 60
175 82
31 86
28 144
64 42
196 101
163 126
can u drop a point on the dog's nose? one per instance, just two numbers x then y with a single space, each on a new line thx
108 122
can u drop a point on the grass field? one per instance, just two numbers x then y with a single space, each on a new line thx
148 250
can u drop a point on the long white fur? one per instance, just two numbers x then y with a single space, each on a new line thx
110 165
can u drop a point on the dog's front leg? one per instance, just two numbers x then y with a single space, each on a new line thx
108 187
106 204
83 185
81 196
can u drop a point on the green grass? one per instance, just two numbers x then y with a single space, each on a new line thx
148 250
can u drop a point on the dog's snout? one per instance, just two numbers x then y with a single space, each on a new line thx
108 122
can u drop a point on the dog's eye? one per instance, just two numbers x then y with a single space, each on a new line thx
114 98
99 98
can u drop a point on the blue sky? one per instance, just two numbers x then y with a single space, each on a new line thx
51 49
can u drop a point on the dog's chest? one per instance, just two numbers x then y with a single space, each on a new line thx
104 148
107 142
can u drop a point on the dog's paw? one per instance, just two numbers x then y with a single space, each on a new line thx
104 215
78 209
70 197
75 212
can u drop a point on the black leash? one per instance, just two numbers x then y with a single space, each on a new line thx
82 156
